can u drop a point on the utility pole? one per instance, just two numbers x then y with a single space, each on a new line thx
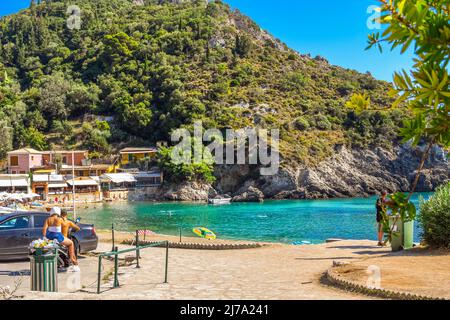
73 186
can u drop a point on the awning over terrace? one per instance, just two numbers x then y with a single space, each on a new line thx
21 182
82 183
118 178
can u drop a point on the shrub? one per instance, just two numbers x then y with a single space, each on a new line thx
434 218
301 123
190 170
322 122
243 46
294 81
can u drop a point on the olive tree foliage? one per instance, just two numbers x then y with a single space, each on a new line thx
424 27
6 138
53 96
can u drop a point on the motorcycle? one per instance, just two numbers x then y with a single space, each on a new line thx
63 257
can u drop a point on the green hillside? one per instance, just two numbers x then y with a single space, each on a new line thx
157 67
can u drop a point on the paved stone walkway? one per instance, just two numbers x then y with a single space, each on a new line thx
274 272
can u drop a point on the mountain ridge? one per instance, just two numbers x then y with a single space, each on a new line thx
160 66
226 63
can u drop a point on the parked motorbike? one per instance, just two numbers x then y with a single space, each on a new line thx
63 257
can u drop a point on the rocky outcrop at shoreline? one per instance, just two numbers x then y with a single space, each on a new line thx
349 173
249 194
186 191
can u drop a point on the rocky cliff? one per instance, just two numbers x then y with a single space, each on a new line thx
349 173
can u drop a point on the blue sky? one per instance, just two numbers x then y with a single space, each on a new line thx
336 30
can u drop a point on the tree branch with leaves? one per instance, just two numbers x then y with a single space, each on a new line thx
422 26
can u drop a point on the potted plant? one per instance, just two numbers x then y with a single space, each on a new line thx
399 224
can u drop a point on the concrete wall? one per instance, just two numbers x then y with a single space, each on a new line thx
116 195
143 194
85 197
138 194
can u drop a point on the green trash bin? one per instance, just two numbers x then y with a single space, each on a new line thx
408 235
44 270
403 237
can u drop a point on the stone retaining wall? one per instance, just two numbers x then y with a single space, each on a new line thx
352 286
137 194
201 246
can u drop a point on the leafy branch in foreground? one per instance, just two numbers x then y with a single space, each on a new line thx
425 91
8 293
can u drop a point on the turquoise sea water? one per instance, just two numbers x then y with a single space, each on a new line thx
273 221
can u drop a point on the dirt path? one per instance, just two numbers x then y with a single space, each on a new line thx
418 271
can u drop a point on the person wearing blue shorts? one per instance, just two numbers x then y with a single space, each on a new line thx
53 231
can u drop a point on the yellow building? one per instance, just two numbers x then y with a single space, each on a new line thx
130 156
93 170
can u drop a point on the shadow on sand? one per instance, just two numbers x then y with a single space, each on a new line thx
364 250
319 259
18 273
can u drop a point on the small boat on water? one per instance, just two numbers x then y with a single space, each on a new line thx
204 233
219 201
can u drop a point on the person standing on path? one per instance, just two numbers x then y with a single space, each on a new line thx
381 213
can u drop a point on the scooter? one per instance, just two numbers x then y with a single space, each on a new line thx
63 257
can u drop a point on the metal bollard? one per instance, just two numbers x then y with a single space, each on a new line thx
167 261
138 252
116 268
99 273
112 235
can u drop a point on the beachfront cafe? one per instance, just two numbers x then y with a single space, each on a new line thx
117 181
148 179
83 185
86 189
13 183
48 185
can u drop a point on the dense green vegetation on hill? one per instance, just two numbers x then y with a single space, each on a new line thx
160 66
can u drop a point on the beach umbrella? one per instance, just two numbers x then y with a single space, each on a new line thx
31 196
15 197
